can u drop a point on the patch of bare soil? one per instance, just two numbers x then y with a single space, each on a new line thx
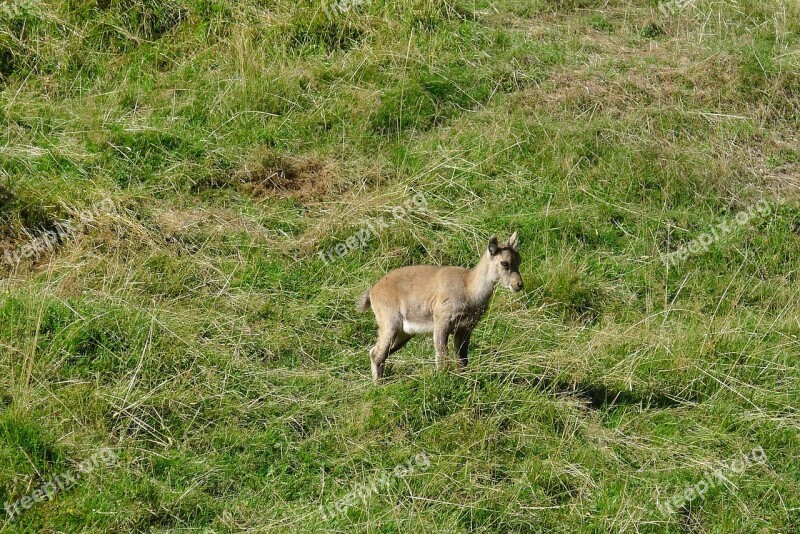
304 178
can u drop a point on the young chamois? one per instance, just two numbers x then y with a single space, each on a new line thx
425 299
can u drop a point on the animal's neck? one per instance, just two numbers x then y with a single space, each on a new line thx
481 284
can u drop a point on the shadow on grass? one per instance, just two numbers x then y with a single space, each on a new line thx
598 396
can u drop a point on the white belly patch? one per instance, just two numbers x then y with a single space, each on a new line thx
416 328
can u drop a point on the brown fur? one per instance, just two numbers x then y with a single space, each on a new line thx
427 299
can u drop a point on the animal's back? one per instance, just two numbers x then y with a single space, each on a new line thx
420 280
399 286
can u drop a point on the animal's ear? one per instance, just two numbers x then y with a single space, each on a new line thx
493 245
513 243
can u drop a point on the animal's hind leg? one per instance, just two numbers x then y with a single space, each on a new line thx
380 352
399 342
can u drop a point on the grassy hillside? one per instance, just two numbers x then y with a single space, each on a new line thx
170 171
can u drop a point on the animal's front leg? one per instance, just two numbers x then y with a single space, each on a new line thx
461 340
441 331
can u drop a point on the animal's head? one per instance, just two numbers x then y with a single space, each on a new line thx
504 262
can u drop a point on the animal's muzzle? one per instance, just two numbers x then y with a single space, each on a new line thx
517 285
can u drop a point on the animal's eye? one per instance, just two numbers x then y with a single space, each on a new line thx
504 264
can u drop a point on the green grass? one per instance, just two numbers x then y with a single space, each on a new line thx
195 331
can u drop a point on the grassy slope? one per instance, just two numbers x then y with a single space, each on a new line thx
196 332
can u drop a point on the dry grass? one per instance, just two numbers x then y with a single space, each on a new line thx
196 331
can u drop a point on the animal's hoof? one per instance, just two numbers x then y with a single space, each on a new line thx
377 372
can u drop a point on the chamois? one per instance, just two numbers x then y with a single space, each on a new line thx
425 299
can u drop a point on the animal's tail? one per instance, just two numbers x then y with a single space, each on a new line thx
363 303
